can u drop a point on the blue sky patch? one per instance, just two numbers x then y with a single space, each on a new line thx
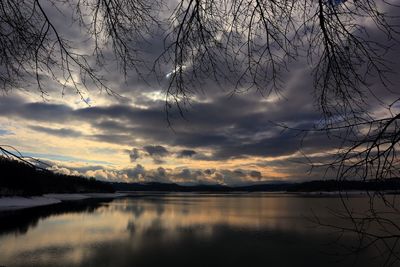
5 132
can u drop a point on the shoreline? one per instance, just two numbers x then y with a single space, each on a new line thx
25 202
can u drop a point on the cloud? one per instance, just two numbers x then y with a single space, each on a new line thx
189 176
63 170
134 154
256 174
158 175
138 173
186 153
106 175
63 132
295 167
215 126
157 153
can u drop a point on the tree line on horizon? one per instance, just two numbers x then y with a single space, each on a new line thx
19 178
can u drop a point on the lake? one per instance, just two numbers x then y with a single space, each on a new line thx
182 229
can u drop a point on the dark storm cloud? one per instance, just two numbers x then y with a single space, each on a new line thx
137 172
256 174
134 154
46 112
112 126
63 132
314 167
189 175
278 145
158 175
229 131
209 171
230 127
156 151
186 153
112 138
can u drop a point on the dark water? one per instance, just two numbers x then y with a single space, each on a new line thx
181 230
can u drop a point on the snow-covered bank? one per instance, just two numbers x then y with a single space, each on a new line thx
67 197
16 202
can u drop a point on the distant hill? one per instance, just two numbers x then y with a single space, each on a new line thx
168 187
172 187
312 186
19 178
334 185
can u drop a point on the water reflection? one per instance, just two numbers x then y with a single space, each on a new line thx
177 229
21 221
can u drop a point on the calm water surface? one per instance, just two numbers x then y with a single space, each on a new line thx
180 230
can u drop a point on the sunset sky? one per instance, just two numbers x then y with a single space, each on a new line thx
223 138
